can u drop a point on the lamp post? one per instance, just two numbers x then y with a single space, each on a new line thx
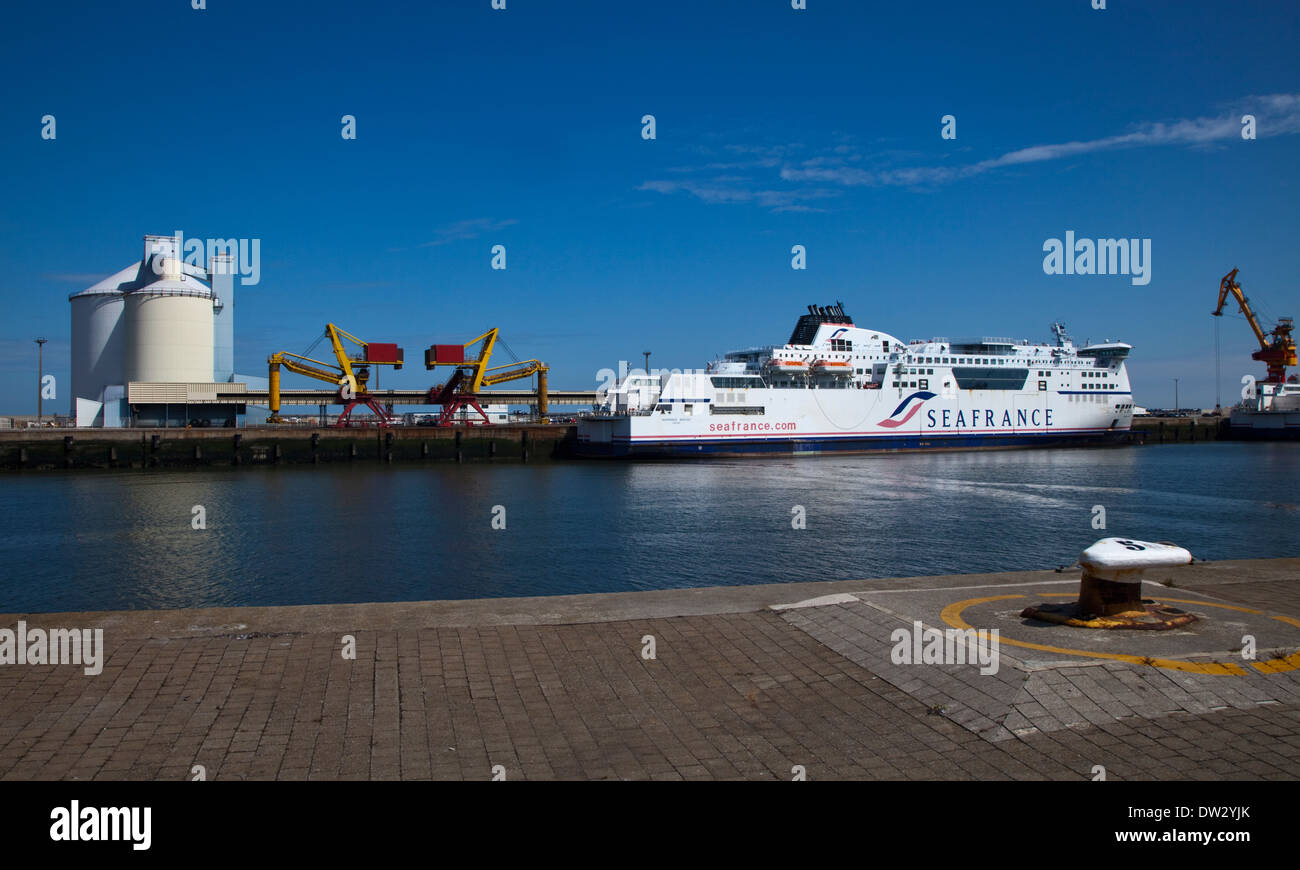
1175 397
40 376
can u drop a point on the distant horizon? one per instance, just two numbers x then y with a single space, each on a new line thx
924 161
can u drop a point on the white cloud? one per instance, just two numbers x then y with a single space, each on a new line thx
732 189
1276 115
467 229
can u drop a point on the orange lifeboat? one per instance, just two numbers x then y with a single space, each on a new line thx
833 367
787 366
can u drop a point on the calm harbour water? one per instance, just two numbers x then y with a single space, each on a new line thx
123 540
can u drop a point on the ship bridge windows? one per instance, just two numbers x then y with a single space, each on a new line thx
737 382
990 378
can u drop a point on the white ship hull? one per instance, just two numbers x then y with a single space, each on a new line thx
853 422
1273 416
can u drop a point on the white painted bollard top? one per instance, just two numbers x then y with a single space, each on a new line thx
1123 560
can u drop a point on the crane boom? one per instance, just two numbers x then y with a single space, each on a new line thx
1276 350
1230 285
512 372
300 365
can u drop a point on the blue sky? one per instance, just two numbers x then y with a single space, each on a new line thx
775 127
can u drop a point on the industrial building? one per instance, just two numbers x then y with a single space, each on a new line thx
152 343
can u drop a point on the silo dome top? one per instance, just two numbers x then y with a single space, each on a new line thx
118 282
181 285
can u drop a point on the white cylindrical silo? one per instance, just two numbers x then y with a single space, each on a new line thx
96 344
168 332
97 336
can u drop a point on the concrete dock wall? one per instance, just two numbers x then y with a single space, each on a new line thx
172 448
1181 430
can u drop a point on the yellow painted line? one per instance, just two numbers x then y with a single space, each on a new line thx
952 614
1272 666
1279 666
1209 604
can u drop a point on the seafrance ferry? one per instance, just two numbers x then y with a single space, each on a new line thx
838 388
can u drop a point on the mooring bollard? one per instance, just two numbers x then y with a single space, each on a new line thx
1110 588
1113 569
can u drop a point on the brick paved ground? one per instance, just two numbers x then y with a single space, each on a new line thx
736 691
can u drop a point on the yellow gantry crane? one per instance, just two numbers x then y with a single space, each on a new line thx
472 373
1276 349
350 373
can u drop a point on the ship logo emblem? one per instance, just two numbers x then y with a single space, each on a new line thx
912 404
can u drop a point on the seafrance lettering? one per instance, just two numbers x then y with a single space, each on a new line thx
983 418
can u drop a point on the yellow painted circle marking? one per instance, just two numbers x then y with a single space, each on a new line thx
952 614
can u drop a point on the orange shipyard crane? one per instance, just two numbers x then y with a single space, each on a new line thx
1276 349
350 373
472 373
